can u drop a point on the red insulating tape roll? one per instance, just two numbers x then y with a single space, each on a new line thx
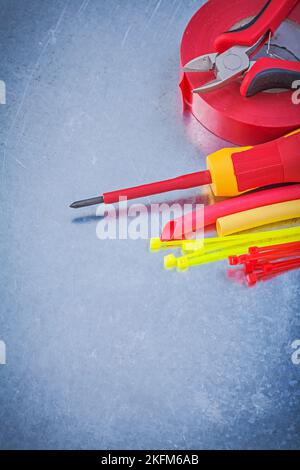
244 121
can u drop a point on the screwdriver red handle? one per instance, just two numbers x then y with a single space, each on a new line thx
268 20
275 162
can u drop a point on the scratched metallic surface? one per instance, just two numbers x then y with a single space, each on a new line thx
105 349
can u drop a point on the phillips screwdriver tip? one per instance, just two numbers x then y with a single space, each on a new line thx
87 202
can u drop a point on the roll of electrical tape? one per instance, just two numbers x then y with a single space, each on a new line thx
244 121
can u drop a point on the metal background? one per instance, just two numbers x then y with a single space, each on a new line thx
104 348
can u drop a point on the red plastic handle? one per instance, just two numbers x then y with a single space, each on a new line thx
268 20
275 162
269 73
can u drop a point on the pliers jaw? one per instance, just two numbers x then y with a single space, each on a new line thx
204 63
227 67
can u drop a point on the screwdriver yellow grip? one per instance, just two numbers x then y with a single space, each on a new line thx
223 177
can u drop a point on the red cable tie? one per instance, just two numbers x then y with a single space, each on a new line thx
254 277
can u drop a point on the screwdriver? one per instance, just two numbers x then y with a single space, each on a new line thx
231 171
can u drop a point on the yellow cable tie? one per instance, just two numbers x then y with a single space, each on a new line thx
184 262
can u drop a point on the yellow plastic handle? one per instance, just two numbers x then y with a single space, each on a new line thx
222 172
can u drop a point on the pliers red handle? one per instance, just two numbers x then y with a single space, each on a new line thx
235 48
266 21
267 74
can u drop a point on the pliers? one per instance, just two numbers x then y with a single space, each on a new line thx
234 49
